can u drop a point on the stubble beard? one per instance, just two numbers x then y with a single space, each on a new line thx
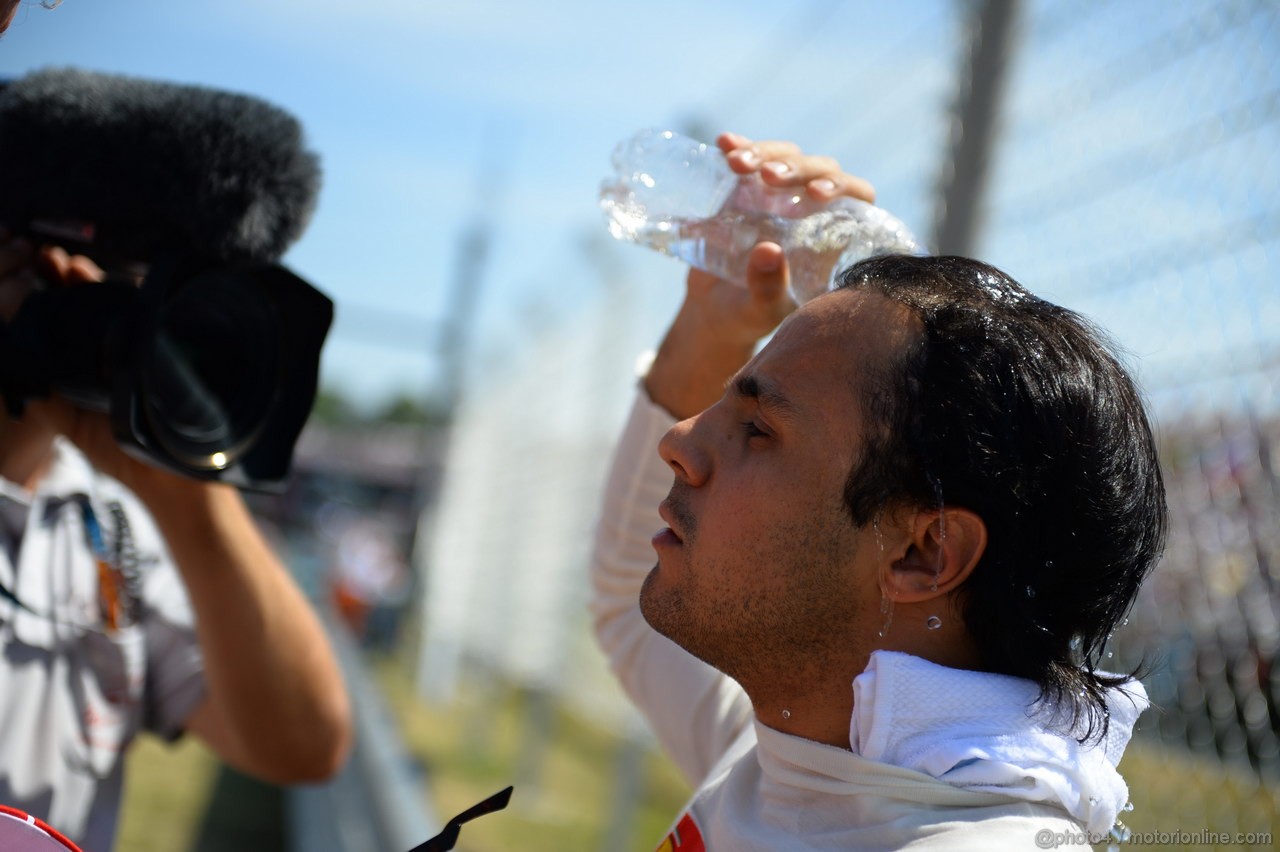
771 634
668 613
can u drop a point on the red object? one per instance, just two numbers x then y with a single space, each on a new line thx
684 838
21 832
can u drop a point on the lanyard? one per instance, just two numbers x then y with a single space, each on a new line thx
118 582
117 575
110 582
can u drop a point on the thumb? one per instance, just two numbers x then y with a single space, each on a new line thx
767 275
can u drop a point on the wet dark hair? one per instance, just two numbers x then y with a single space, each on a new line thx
1018 410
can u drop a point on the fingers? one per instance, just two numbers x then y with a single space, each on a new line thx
84 271
56 265
756 155
782 164
22 268
831 186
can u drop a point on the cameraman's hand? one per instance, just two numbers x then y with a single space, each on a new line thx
720 323
26 442
88 430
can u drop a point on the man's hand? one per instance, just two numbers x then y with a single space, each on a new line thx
720 323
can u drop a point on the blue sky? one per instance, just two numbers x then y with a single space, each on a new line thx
415 106
430 117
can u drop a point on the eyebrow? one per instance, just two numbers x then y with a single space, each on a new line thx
766 394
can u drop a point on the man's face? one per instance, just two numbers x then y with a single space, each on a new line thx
762 568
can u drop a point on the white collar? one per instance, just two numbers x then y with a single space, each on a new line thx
976 731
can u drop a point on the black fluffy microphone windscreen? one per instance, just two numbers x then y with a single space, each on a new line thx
144 168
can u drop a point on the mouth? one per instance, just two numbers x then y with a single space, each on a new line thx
668 536
665 538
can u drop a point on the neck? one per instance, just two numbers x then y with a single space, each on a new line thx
26 450
813 702
949 644
814 698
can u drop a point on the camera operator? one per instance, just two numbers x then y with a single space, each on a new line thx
132 598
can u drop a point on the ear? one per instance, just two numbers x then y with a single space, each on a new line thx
943 549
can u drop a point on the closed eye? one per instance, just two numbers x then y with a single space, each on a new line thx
752 430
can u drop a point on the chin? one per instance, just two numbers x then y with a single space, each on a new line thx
647 594
659 604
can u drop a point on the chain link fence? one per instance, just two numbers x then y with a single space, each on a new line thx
1134 181
1133 178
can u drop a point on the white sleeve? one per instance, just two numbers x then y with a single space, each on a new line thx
695 711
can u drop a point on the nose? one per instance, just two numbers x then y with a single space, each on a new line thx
679 448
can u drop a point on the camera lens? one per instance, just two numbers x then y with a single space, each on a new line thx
210 382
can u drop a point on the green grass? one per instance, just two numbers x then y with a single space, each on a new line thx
167 790
476 746
1176 791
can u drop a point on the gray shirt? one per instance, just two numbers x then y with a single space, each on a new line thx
74 691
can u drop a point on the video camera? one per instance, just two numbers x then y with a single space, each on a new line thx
209 367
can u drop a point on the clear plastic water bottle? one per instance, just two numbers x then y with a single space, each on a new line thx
679 196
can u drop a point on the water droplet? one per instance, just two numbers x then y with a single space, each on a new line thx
886 609
1031 591
1000 289
933 622
1110 654
1093 800
1048 563
786 714
1128 806
942 530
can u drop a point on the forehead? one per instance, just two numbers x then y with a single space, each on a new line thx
821 359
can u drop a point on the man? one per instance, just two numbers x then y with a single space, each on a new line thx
897 541
134 599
